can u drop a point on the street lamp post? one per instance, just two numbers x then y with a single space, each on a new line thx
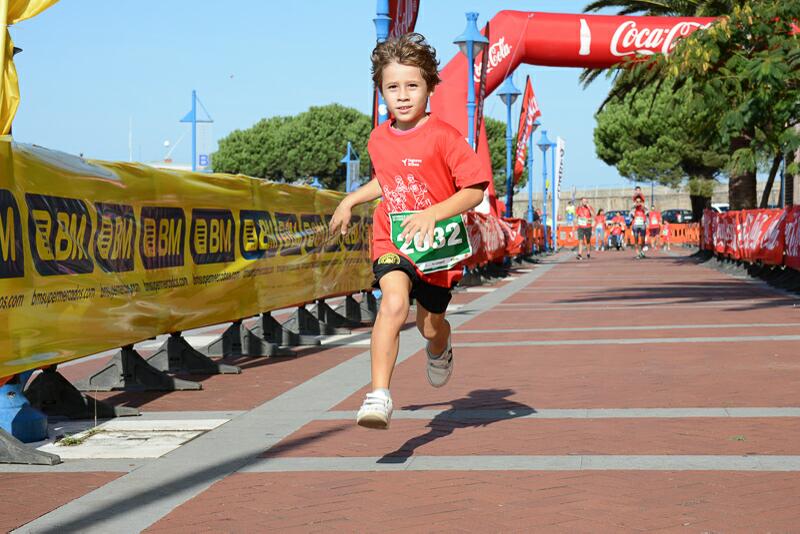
351 168
554 195
508 94
471 42
530 171
544 146
382 22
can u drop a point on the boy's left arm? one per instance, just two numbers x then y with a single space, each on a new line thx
424 221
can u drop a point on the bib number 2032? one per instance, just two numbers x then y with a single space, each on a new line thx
450 243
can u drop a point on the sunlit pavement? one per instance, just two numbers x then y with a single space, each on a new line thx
601 395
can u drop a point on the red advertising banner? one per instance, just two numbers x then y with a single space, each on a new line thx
791 234
727 237
528 114
404 16
514 230
481 91
487 238
709 225
762 235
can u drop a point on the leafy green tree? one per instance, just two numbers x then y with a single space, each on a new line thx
744 72
317 141
651 135
311 143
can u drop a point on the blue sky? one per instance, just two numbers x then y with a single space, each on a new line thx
89 66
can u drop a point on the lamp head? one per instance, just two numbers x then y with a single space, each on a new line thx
544 143
507 92
471 35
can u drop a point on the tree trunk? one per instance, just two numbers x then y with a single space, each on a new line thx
773 171
742 183
788 178
700 203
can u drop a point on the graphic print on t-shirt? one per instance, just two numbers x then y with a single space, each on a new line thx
396 197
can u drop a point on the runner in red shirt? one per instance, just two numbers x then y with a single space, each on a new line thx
639 226
616 234
665 235
584 217
618 230
654 226
423 166
600 230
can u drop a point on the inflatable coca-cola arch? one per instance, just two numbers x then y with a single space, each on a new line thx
556 40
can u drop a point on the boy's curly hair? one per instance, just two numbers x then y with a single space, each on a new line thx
410 49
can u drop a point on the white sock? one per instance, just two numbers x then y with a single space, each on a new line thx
382 391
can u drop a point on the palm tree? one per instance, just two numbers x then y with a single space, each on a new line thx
657 8
667 8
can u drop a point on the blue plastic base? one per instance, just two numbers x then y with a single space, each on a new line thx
17 416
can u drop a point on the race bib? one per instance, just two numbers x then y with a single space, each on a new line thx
653 221
583 221
450 243
638 221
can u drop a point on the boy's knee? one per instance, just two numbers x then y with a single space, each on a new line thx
394 305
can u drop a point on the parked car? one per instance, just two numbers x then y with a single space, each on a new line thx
611 214
720 208
677 216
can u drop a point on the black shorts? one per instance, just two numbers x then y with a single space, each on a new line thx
638 231
654 232
585 234
433 298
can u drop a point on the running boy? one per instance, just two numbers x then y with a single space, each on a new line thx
600 230
585 216
428 176
639 225
654 226
619 230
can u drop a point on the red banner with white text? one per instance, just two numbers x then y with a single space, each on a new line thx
791 235
528 114
762 235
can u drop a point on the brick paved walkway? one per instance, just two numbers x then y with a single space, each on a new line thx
595 396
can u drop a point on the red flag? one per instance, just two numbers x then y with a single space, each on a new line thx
481 90
404 16
528 115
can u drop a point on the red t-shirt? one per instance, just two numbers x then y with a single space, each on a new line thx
654 219
639 216
600 220
665 229
416 169
584 216
619 219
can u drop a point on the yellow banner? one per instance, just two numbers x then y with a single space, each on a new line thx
96 255
19 10
11 12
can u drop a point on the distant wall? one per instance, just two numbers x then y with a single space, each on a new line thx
620 198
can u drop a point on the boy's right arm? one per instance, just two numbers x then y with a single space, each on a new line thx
365 193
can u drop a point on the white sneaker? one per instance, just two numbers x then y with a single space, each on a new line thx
440 368
375 412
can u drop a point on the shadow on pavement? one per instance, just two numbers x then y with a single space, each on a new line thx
495 406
